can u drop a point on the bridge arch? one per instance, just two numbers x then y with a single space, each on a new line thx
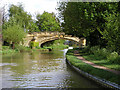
44 37
53 39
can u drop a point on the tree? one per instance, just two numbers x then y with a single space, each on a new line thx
48 22
17 15
20 16
86 19
13 34
112 32
33 27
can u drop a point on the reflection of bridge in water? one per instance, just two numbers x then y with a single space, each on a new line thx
43 37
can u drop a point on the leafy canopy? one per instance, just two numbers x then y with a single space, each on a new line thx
14 34
48 22
89 20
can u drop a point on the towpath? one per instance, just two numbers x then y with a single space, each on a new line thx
95 65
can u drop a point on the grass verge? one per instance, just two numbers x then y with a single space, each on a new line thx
91 70
101 57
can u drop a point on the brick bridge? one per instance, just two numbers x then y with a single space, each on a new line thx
43 37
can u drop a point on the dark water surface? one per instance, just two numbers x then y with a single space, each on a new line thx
41 70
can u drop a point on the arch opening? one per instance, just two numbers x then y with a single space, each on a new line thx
66 42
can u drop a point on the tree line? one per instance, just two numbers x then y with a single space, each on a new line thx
98 22
20 22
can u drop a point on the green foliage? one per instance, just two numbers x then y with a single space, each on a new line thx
114 57
103 53
97 21
48 22
33 27
112 32
18 16
13 34
22 18
57 44
34 44
100 52
7 50
5 47
21 48
47 48
60 46
91 70
101 56
70 52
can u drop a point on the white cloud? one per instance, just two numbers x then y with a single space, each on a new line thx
33 6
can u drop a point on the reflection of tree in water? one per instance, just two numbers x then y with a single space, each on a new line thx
47 60
26 63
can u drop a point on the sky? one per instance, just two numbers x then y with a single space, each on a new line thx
33 6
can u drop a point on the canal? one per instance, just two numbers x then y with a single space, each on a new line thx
41 70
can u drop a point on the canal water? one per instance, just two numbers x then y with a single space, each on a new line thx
41 70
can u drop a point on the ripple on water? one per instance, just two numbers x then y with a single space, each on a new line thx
39 70
6 64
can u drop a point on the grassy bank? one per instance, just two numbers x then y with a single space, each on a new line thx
7 50
20 48
101 56
91 70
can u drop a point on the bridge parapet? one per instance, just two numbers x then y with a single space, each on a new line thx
43 37
46 34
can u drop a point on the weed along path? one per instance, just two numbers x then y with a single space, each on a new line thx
97 66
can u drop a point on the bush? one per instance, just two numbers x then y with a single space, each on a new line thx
102 53
113 57
34 44
117 60
86 49
21 48
6 50
5 47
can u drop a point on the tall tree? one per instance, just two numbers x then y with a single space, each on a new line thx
86 19
20 16
48 22
112 32
17 15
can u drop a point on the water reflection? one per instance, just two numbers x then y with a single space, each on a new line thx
40 69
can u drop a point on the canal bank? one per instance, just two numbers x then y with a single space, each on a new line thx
80 67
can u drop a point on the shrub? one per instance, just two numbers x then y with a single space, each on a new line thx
117 60
20 48
102 53
34 44
86 49
5 47
6 50
94 49
113 57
